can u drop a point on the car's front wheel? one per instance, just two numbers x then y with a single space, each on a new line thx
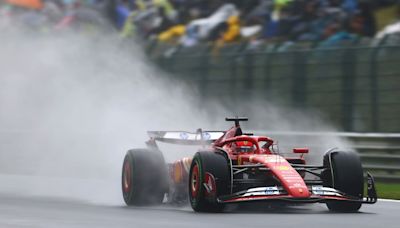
209 178
344 172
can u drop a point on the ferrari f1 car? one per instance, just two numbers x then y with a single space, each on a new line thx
236 167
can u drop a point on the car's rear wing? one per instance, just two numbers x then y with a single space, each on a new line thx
185 138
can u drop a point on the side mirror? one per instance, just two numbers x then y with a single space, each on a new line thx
300 150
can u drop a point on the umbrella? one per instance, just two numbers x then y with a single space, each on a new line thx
31 4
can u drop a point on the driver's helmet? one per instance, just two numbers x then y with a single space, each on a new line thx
243 147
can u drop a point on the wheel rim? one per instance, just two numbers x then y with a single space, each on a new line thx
127 180
195 181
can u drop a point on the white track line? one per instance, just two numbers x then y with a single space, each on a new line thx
389 200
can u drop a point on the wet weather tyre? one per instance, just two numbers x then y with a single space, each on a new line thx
344 172
208 163
144 180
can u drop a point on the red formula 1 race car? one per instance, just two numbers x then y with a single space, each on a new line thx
233 167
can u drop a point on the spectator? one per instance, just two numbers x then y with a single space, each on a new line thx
190 22
368 19
391 28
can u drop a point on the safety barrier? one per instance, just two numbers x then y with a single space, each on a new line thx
356 86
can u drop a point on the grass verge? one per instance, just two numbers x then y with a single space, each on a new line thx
388 190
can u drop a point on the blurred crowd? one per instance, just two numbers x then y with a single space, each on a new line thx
54 15
191 22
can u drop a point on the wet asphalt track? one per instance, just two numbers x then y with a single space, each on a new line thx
54 212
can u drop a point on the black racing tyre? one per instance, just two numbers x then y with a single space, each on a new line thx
144 177
217 165
344 172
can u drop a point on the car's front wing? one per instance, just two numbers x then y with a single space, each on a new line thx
318 194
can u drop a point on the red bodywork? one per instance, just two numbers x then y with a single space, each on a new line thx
290 179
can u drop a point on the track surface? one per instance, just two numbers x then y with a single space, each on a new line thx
16 211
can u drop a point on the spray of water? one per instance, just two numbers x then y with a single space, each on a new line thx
71 106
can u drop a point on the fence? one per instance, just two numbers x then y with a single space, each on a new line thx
357 87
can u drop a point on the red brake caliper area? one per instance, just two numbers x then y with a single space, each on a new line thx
127 181
195 181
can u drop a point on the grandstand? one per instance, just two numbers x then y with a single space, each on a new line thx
336 57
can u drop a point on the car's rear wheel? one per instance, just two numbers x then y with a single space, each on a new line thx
344 172
144 177
209 178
